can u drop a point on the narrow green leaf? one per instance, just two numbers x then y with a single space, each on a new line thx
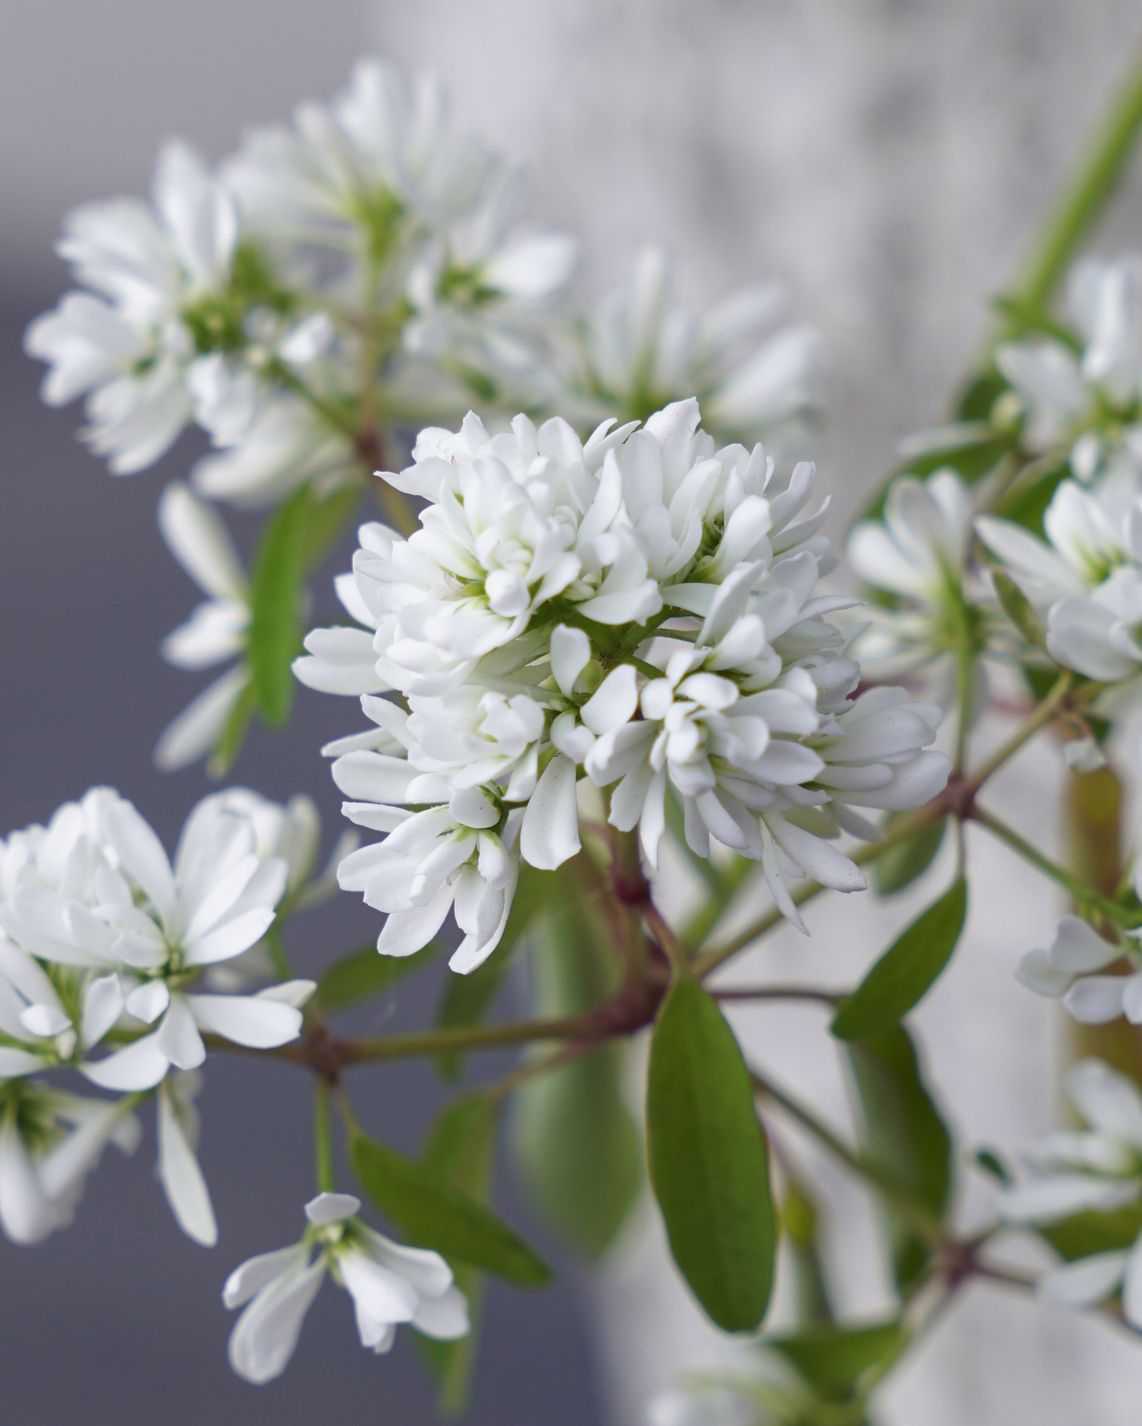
460 1150
905 1133
908 860
906 971
436 1215
327 519
233 735
1018 608
275 608
1084 1234
573 1136
832 1359
709 1161
365 973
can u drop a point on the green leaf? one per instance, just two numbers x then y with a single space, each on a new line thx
1018 608
275 608
906 971
709 1161
460 1151
1084 1234
365 973
436 1215
574 1139
908 860
831 1359
233 734
327 519
905 1133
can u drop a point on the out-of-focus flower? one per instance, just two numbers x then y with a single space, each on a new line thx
1093 1170
639 349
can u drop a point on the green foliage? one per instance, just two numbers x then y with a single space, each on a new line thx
709 1160
831 1359
905 1133
1018 609
275 608
1083 1234
910 858
460 1150
906 971
233 734
575 1141
365 973
435 1214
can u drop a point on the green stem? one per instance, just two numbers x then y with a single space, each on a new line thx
322 1137
1085 897
1045 713
923 1223
1084 198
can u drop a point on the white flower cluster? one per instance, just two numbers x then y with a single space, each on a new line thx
237 298
389 1284
373 244
1082 397
1085 578
1098 1169
640 611
115 962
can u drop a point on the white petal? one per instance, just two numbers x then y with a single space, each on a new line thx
181 1177
549 835
265 1336
1085 1282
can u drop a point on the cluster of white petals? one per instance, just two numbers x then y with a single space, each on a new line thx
915 561
388 1283
639 613
115 962
1085 576
1098 1168
638 349
1085 399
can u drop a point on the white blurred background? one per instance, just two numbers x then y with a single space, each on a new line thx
889 159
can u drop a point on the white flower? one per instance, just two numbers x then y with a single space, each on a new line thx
286 444
49 1142
1089 401
453 857
215 632
643 609
1087 577
176 295
179 1173
705 1404
1096 1170
157 927
389 1284
640 350
1065 971
917 555
41 1028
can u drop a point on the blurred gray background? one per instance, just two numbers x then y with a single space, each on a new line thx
889 159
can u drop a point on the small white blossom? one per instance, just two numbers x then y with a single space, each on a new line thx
49 1142
916 555
1087 577
177 294
122 908
1066 970
388 1283
1094 1170
638 350
1088 402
